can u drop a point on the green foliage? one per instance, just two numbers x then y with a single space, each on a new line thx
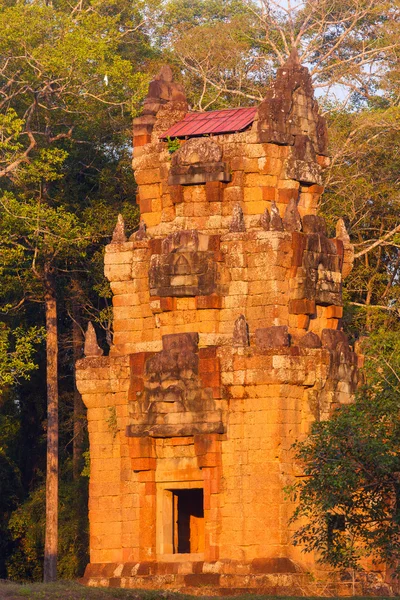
11 128
173 145
17 350
86 467
26 526
352 469
11 487
112 422
362 187
65 135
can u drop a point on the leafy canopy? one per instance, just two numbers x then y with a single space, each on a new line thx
352 470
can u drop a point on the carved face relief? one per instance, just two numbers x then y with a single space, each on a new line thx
197 161
319 276
174 402
182 269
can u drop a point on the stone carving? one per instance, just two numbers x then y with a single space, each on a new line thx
291 219
289 109
182 268
241 335
314 224
265 220
276 221
197 150
187 240
348 248
198 161
343 364
310 340
331 338
302 162
289 115
318 277
341 231
164 96
141 233
272 337
119 231
91 347
237 224
174 401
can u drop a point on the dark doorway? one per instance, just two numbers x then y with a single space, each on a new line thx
188 519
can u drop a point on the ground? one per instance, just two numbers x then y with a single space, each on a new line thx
69 590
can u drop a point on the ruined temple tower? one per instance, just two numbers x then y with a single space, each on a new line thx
227 345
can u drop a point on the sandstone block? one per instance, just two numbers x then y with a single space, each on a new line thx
147 176
149 192
272 337
302 306
310 340
252 194
255 207
334 312
250 165
208 302
269 193
270 166
152 219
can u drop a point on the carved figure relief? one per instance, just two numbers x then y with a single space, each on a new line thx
174 401
197 161
318 276
197 150
185 267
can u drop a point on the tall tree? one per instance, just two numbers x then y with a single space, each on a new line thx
67 80
348 45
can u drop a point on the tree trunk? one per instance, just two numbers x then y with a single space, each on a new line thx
79 407
51 537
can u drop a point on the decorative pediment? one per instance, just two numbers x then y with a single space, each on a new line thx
175 399
197 161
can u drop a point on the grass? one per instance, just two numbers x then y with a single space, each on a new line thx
70 590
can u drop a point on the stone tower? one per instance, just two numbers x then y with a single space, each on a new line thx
227 345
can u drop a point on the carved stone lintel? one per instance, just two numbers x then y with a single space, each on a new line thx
91 347
237 224
241 332
292 220
199 160
276 221
265 220
119 231
201 172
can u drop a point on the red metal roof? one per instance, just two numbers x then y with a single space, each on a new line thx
216 121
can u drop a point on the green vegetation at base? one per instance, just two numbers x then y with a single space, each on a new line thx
349 499
69 590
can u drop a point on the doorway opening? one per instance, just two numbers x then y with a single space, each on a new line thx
188 521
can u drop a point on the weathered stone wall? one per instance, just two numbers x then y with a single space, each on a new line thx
227 345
